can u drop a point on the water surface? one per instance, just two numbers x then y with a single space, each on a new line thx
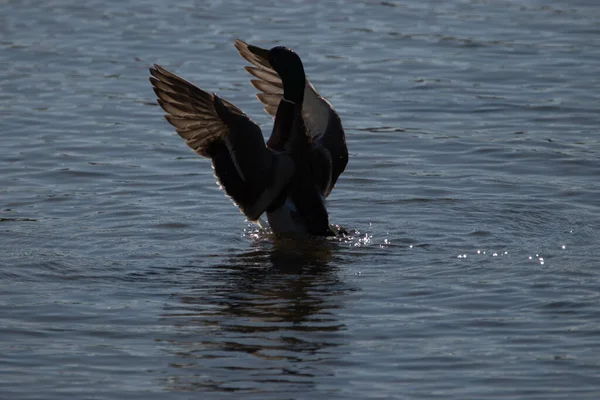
472 196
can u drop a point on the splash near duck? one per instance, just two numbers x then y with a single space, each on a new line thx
290 175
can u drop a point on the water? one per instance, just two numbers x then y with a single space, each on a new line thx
472 194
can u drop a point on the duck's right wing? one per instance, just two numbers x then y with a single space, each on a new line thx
251 174
321 120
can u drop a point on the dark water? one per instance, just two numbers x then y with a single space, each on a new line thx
472 191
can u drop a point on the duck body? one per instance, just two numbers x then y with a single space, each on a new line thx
303 208
288 177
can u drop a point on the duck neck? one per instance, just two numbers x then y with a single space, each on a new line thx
284 125
293 88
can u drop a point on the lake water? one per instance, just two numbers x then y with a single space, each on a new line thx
472 194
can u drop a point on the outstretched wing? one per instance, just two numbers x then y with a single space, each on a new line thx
248 171
321 120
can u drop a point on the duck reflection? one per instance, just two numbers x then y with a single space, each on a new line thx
264 320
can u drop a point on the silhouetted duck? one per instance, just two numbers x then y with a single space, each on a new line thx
290 176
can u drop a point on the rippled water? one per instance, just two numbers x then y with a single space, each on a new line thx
472 193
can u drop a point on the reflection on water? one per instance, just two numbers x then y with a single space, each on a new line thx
270 314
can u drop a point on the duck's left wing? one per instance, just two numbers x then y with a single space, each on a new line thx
251 174
321 120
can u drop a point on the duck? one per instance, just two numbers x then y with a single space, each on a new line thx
289 176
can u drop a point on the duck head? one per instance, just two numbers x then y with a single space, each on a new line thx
290 69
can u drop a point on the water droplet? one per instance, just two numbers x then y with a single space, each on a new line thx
563 247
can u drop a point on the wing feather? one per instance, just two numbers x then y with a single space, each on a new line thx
246 169
267 75
267 87
269 99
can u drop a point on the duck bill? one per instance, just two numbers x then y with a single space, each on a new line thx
257 51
